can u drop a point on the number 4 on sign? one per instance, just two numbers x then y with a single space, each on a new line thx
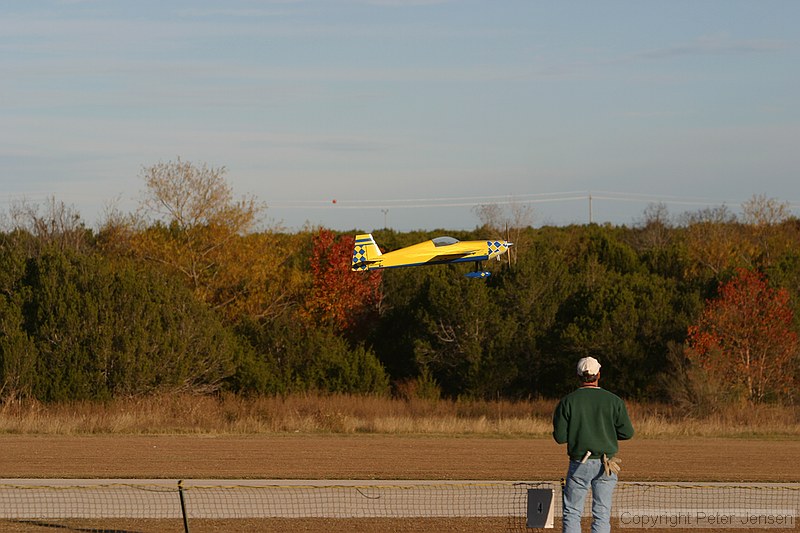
540 508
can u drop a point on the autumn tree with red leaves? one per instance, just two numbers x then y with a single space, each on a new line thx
340 297
745 337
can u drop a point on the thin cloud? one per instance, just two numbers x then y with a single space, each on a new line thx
406 3
316 143
701 47
712 46
245 13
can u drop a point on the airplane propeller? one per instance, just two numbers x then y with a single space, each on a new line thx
510 257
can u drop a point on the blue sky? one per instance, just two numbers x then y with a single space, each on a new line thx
407 112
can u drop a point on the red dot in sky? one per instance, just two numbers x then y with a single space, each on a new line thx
334 201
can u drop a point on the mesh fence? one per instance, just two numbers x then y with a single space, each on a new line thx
56 499
389 500
639 503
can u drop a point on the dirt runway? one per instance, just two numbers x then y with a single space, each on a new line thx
382 457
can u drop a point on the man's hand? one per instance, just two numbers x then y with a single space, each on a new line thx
611 465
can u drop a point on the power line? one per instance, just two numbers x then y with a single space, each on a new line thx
474 201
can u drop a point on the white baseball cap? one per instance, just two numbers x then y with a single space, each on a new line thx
588 365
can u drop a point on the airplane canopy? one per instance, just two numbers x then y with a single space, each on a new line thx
444 241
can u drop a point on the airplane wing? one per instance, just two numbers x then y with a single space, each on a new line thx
448 257
357 265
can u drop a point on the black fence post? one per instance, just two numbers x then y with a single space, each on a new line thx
183 507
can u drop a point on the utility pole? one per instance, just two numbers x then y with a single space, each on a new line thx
385 218
590 208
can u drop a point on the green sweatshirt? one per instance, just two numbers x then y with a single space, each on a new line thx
591 418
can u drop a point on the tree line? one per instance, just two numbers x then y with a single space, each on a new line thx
187 294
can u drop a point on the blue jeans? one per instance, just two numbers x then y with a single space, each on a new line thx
579 478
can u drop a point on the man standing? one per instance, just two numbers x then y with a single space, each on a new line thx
590 420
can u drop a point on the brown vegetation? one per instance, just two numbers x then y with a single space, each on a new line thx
347 414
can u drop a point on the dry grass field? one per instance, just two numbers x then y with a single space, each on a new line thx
337 438
344 414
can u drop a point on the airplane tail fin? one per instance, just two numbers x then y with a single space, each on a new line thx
365 252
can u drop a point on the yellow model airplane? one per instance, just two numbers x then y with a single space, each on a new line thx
441 250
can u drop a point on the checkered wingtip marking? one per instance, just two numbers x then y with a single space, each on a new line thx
496 247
